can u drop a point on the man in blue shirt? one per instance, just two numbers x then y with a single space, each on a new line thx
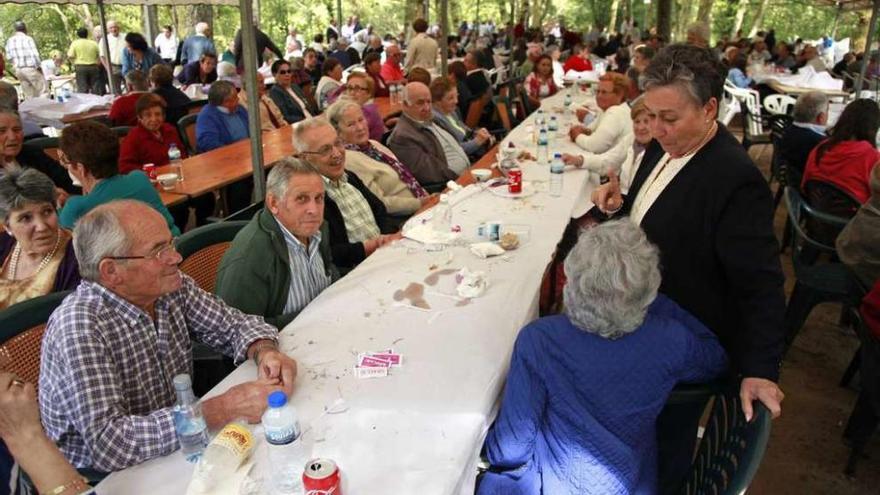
222 121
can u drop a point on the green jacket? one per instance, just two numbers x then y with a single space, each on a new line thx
254 274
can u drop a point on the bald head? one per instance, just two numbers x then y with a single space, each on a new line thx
417 102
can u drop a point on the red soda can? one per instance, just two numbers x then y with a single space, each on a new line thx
150 170
322 477
514 180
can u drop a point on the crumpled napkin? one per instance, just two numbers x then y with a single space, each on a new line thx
486 249
471 284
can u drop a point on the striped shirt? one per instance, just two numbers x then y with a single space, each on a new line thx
22 51
456 159
307 275
360 224
106 369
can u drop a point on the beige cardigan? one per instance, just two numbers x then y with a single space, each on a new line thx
383 181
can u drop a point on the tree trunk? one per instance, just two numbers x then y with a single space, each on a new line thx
664 18
63 17
525 10
704 12
87 18
612 23
198 13
836 23
175 21
861 34
413 10
738 20
151 22
759 18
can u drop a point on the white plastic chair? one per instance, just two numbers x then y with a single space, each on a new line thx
779 104
753 125
728 108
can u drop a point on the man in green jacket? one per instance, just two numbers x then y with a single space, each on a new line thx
281 260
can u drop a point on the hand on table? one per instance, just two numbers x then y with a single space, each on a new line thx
386 239
574 160
577 130
275 365
763 390
608 197
582 113
427 199
245 401
482 136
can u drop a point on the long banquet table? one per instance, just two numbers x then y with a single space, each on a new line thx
420 429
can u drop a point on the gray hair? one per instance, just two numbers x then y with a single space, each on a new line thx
10 111
201 28
695 70
100 234
8 96
303 126
613 276
809 105
281 172
23 186
335 112
137 80
219 92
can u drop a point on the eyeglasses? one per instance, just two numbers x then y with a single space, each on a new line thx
283 72
165 254
356 88
326 149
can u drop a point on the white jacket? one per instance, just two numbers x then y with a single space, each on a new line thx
608 130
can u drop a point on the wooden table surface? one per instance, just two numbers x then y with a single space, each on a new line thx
100 113
385 107
171 198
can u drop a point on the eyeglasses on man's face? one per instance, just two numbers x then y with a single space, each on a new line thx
326 149
352 87
166 253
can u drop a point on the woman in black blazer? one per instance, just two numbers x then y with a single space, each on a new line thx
702 201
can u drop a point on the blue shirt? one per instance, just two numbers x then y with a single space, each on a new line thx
193 47
579 410
738 78
134 185
216 127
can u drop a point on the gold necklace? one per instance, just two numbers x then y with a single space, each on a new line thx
16 254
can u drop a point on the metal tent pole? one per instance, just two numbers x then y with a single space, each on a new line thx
109 66
444 34
248 35
872 31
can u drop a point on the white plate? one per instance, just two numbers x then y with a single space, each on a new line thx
527 190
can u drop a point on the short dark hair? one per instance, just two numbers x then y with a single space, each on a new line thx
419 74
695 70
329 65
147 101
94 145
161 75
318 38
440 87
82 33
458 70
207 54
420 25
219 92
137 41
276 65
168 27
372 57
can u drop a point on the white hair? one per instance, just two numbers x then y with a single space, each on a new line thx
300 129
335 112
281 172
101 234
201 27
613 276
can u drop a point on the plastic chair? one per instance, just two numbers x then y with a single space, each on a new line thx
731 449
865 416
195 106
245 214
815 283
729 106
202 248
779 104
753 122
779 123
504 112
49 146
21 334
186 127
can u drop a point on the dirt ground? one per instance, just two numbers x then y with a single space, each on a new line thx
806 454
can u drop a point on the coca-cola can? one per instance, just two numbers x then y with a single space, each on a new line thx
322 477
150 170
514 180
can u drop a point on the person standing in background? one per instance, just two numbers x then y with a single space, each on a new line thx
83 54
195 45
25 58
166 44
116 41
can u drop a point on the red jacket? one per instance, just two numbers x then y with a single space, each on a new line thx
846 165
577 64
391 72
870 310
122 110
142 146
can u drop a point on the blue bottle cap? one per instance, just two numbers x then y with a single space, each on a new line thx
277 399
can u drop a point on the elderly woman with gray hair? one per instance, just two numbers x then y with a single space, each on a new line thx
36 255
702 201
585 388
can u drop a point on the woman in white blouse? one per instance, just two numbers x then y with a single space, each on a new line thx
624 159
612 125
330 81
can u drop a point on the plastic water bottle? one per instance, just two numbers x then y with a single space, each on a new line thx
557 168
192 432
174 160
543 147
66 93
226 452
441 217
553 128
287 456
394 93
539 118
567 104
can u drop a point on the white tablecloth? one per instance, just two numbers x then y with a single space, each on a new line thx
420 429
48 112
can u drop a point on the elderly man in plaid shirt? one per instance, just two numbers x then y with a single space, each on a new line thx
114 345
23 54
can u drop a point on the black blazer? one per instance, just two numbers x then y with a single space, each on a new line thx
346 255
796 145
33 157
719 256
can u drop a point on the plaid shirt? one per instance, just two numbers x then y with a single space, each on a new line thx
22 51
360 225
106 369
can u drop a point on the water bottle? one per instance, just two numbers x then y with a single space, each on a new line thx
441 217
395 97
543 147
192 432
553 128
567 104
174 160
66 93
287 457
556 170
226 452
539 118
